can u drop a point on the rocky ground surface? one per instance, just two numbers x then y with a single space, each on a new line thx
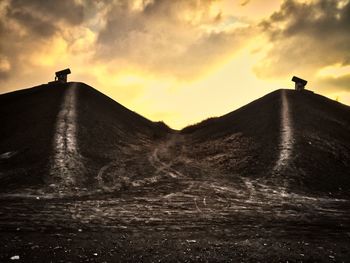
146 193
186 220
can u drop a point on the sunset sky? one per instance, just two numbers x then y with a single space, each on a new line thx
180 61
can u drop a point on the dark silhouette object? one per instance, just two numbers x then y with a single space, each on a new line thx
299 83
61 76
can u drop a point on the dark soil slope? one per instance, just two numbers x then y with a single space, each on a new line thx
246 142
242 142
117 146
109 133
27 127
322 142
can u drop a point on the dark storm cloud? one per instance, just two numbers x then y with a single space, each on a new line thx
42 17
306 36
26 25
175 37
35 25
166 36
155 19
63 10
335 84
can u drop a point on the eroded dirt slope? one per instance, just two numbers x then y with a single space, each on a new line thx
28 119
299 140
322 143
243 142
59 138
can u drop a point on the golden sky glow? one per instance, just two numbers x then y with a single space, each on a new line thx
180 61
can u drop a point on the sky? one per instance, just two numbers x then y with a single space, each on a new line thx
179 61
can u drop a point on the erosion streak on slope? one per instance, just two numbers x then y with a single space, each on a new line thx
286 141
65 142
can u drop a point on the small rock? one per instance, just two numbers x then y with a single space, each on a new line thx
332 257
95 254
16 257
191 241
80 230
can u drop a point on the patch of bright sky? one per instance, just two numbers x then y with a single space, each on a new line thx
335 71
222 89
50 52
225 89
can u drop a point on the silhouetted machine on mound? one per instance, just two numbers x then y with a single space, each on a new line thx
61 76
299 83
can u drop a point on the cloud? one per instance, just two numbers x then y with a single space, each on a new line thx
179 38
244 2
34 25
5 67
305 37
334 84
182 38
51 11
29 27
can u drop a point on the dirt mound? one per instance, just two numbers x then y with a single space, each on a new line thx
248 141
83 139
104 130
251 185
